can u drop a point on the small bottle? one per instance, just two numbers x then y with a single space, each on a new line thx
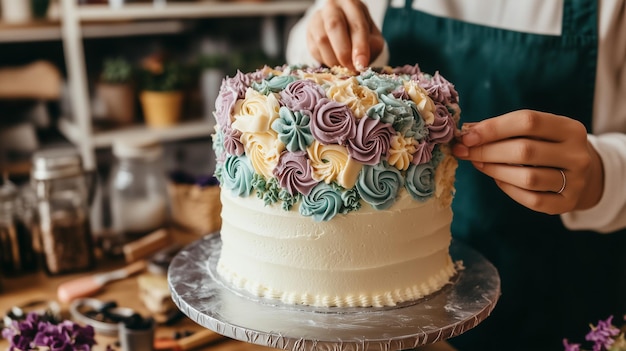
62 190
137 191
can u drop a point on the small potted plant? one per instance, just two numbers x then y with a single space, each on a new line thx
163 83
116 90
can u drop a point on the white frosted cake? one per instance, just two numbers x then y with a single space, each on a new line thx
336 187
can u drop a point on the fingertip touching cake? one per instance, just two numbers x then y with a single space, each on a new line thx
336 186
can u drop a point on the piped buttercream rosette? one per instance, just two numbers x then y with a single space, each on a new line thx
327 141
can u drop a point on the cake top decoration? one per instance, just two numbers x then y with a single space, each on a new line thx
328 139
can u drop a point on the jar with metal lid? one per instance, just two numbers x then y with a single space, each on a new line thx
17 253
62 190
137 190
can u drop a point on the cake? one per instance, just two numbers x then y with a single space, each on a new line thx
336 186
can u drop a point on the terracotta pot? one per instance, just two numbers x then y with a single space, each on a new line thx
161 108
118 101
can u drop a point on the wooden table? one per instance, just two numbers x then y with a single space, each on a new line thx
20 290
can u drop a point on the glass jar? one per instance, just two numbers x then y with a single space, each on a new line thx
17 253
62 191
137 191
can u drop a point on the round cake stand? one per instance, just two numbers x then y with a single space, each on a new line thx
461 305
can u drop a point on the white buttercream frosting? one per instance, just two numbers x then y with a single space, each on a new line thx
365 258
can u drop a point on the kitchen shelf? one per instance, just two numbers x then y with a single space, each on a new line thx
51 30
31 31
197 128
191 9
80 21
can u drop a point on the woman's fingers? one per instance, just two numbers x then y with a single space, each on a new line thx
527 138
546 202
525 153
360 27
343 33
539 188
518 151
524 123
337 28
538 179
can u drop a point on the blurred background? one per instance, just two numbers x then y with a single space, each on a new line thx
126 88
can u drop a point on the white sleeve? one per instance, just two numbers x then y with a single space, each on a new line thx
297 51
610 213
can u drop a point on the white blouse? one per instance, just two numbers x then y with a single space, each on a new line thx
542 17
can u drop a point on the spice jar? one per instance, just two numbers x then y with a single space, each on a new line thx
62 191
137 191
16 250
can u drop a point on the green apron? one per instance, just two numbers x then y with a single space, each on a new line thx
554 281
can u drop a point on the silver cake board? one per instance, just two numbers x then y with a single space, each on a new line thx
200 294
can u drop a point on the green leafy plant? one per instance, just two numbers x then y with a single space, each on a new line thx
160 74
117 71
212 61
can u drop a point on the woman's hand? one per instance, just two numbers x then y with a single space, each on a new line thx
525 152
343 33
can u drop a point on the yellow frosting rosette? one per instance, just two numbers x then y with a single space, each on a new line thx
357 97
425 105
401 151
332 163
319 78
255 113
263 150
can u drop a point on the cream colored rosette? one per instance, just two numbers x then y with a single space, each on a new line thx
255 113
425 105
253 117
263 150
321 79
332 163
401 151
349 92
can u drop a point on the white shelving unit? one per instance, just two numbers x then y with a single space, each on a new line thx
51 30
83 21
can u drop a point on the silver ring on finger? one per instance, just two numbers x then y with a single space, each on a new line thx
564 182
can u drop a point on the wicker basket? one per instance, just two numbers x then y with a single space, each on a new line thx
196 208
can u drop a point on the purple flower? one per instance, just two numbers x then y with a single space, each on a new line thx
50 334
439 89
372 141
231 89
294 173
332 122
570 347
232 142
34 331
408 69
20 342
301 95
259 74
442 129
423 152
224 103
400 93
602 334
